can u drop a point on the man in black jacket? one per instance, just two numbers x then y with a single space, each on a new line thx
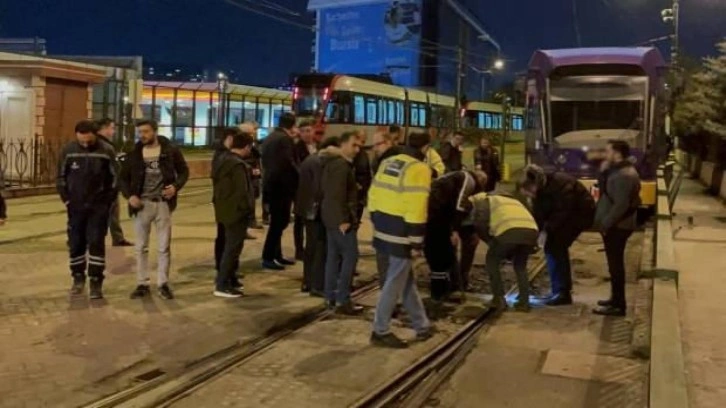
280 179
151 178
307 205
105 133
451 153
87 185
563 209
486 159
234 202
448 206
304 146
339 211
221 150
363 175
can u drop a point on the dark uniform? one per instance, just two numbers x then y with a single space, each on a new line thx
87 185
448 205
563 209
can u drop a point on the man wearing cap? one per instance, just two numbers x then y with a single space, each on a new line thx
398 203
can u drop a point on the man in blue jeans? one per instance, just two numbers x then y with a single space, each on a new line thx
339 209
398 203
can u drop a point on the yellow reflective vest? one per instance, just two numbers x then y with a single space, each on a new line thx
433 159
398 204
503 213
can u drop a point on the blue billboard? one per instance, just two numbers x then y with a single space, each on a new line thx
384 37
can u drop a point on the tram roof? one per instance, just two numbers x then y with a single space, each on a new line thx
648 58
235 89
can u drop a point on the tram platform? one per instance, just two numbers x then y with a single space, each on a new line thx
699 227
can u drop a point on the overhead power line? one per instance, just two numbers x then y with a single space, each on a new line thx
269 15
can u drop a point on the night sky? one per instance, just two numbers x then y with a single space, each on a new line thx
212 33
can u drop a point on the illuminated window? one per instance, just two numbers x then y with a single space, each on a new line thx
391 113
371 109
422 116
360 109
414 114
400 117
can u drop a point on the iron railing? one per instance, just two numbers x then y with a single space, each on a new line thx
28 163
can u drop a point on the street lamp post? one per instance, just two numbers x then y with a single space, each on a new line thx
672 16
498 65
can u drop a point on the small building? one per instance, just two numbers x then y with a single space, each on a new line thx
41 100
192 113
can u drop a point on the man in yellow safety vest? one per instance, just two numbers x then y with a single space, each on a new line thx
510 230
398 204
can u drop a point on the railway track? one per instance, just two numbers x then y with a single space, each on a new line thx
416 384
163 389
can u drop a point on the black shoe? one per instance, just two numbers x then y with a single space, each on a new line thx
304 288
141 291
123 243
273 266
78 285
610 311
165 292
284 262
96 290
607 302
559 299
389 340
229 293
349 309
426 334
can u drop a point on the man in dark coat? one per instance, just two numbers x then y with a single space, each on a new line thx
451 154
253 162
339 211
221 149
563 209
448 206
280 179
234 202
616 218
304 146
363 175
106 131
307 204
486 159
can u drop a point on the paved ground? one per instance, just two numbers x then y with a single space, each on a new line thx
700 246
558 357
59 353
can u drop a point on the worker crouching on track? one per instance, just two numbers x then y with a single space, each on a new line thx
510 230
563 209
449 204
398 201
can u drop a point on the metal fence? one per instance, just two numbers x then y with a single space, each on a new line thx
28 163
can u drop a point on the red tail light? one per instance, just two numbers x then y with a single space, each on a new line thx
325 94
295 92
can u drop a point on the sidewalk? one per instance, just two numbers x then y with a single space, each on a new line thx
700 250
58 352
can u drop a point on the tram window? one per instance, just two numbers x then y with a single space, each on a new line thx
479 120
399 113
360 109
497 121
382 112
488 122
422 116
371 111
414 114
391 113
517 122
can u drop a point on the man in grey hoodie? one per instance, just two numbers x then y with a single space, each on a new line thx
615 216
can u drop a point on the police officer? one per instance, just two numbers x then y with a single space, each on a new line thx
398 201
448 205
563 208
510 230
86 184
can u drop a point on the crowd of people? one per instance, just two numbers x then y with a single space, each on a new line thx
422 202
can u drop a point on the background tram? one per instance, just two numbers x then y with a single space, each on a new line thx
578 99
338 103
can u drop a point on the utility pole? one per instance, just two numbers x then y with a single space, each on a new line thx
506 123
459 76
676 32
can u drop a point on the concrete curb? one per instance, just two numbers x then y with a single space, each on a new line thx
667 369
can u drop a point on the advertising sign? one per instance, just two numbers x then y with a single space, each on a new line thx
383 37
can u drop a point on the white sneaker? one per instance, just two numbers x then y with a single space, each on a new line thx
228 293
